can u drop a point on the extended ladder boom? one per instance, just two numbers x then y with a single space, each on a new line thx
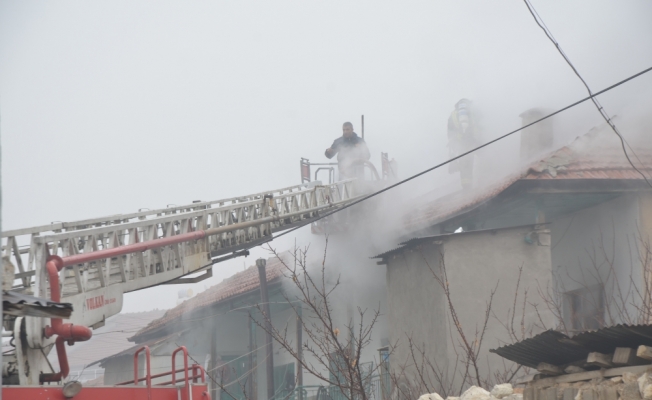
105 257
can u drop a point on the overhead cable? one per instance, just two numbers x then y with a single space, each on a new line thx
601 110
450 160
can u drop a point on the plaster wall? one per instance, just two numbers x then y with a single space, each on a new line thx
645 208
600 245
121 369
416 307
480 262
476 263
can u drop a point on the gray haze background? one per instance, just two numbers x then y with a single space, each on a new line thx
108 107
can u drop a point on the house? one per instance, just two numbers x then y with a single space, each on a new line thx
562 244
222 328
572 229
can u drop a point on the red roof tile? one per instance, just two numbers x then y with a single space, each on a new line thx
596 155
238 284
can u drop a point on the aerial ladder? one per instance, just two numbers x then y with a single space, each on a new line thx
90 264
369 181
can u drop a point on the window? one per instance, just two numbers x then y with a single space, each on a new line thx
584 308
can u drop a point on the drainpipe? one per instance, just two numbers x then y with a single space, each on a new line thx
252 358
299 332
264 296
213 366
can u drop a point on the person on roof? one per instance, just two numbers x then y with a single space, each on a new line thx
463 135
351 152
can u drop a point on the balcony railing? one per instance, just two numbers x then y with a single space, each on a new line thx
376 388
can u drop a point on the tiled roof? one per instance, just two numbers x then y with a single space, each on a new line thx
595 155
238 284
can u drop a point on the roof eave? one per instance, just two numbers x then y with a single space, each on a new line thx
156 332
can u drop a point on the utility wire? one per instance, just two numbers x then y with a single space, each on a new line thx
601 110
591 96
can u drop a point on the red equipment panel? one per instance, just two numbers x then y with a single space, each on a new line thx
107 393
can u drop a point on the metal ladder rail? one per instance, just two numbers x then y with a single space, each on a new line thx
119 218
12 238
162 259
108 236
233 227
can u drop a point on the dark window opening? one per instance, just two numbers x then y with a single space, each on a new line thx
585 308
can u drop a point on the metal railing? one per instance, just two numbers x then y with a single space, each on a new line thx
376 388
84 375
246 222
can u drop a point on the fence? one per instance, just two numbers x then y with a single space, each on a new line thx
376 388
84 375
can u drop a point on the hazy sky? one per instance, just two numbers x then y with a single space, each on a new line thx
111 106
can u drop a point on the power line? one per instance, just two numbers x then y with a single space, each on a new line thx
601 110
591 96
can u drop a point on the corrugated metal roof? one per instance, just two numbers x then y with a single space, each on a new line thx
19 304
238 284
421 239
558 349
593 156
389 252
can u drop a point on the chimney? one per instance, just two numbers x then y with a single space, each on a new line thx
538 138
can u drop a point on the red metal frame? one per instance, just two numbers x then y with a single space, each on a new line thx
76 333
131 389
65 332
197 371
73 333
199 392
305 170
132 248
185 364
148 377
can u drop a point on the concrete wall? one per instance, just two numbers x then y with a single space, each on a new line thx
645 208
121 369
480 262
476 262
416 306
600 245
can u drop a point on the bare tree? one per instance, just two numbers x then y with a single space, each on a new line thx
423 373
600 285
333 349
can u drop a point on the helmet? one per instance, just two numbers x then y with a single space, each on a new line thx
463 103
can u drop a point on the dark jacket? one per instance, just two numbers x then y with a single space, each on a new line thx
342 144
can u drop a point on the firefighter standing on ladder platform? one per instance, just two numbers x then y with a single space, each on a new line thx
351 152
462 136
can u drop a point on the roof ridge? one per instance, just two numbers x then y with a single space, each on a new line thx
237 284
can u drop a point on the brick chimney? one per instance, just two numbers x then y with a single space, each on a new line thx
538 138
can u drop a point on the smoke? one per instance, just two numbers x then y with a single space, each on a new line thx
214 100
